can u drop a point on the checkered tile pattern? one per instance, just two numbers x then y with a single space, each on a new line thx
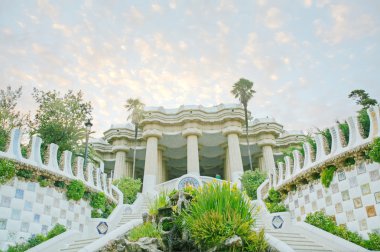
26 209
353 198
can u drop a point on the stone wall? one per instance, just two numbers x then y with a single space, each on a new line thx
26 208
353 198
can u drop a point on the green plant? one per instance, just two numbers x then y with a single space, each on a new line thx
129 187
217 213
7 170
275 207
108 210
256 242
75 190
349 161
374 152
43 181
144 230
274 196
162 200
364 121
345 131
23 173
56 230
59 184
327 175
96 213
327 134
374 241
309 139
251 180
98 200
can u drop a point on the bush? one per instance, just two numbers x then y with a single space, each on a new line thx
251 180
256 242
327 175
96 213
23 173
217 213
327 223
374 152
162 200
3 139
98 200
349 161
327 134
7 170
345 131
44 181
108 210
275 207
364 121
75 190
56 230
274 196
129 187
59 184
144 230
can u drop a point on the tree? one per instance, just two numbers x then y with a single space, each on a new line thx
60 119
9 117
362 98
243 90
136 114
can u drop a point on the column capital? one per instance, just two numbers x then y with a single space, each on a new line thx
118 148
232 130
266 142
191 131
152 133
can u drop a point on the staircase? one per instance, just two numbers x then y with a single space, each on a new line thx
125 218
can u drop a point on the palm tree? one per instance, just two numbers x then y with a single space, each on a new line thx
244 92
136 113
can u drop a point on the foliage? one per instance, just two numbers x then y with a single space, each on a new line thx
274 196
217 213
256 242
144 230
345 131
7 170
243 90
98 200
327 134
327 223
275 207
37 239
108 210
160 201
59 184
309 139
9 117
251 180
364 121
327 175
60 119
96 213
129 187
349 161
44 181
75 190
374 152
23 173
273 202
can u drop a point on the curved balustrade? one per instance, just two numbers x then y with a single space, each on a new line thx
93 178
293 168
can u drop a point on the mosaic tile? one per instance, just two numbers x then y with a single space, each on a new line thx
68 224
19 194
377 197
296 203
334 188
365 189
56 203
63 214
374 175
361 168
341 175
290 198
71 207
358 202
339 208
36 218
311 188
350 215
314 205
49 192
307 199
302 210
319 194
82 211
16 214
328 201
300 194
363 225
345 195
3 224
24 227
5 201
81 227
371 211
40 198
47 210
76 217
54 220
31 187
28 206
44 229
353 182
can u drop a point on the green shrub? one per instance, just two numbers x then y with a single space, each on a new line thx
364 121
23 173
217 213
327 134
327 175
274 196
108 210
349 161
98 200
43 181
311 141
374 152
275 207
129 187
144 230
24 151
3 139
59 184
327 223
256 242
96 213
162 200
251 180
75 190
7 170
345 131
87 195
273 202
56 230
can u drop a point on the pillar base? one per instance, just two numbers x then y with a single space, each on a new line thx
236 178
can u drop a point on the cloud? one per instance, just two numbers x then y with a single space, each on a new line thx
224 29
156 8
173 4
135 15
227 5
63 28
182 45
308 3
283 37
48 9
144 49
273 18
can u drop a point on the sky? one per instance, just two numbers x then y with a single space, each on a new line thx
304 56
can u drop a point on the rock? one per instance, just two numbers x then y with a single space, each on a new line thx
234 241
145 244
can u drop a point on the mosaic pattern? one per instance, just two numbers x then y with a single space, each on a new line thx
353 199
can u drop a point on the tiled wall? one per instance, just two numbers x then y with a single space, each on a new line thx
26 209
353 198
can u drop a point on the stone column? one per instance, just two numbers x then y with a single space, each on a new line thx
227 167
160 171
192 150
262 164
236 164
151 159
120 161
269 164
129 168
